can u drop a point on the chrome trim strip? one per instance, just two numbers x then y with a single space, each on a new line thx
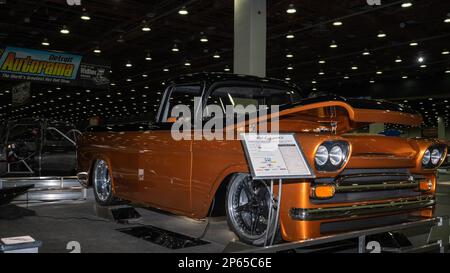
387 185
360 210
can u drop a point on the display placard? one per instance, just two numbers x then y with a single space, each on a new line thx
275 156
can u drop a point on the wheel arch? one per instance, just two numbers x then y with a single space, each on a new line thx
91 167
216 202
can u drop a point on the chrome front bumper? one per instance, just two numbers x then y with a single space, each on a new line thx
361 210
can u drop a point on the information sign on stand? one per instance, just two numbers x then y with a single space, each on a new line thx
274 156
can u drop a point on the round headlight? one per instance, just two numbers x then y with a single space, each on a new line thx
426 157
321 155
435 156
336 155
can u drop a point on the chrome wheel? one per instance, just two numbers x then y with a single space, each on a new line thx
248 208
102 181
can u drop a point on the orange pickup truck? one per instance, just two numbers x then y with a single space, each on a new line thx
360 180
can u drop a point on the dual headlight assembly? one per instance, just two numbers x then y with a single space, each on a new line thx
331 155
433 156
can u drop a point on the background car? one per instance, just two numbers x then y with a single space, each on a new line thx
36 147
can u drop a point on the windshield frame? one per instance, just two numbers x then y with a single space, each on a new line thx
261 85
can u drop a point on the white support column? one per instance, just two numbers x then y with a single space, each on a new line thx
250 37
441 128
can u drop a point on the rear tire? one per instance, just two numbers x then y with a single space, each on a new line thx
247 205
102 183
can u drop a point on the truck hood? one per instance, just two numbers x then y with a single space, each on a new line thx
339 115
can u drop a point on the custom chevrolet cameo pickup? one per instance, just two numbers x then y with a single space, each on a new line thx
360 180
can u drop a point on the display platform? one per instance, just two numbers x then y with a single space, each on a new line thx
59 225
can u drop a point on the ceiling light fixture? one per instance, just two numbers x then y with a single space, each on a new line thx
226 69
354 67
128 64
45 42
183 11
381 34
333 44
290 67
187 63
366 52
97 50
289 55
148 57
445 52
398 60
120 39
291 9
413 44
64 30
447 20
85 16
322 61
337 23
290 35
406 4
216 55
146 28
420 59
175 48
203 39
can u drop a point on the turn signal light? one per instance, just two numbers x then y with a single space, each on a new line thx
425 185
323 191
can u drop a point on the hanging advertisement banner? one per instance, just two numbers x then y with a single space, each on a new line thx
93 75
37 65
50 67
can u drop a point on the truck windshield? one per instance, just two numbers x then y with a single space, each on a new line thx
252 95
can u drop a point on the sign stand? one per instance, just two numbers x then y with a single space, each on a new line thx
275 203
274 157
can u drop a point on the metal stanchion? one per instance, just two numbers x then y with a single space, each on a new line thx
269 217
277 215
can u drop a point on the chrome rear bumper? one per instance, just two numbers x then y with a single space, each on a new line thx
361 210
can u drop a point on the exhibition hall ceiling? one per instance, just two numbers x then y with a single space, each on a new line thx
320 45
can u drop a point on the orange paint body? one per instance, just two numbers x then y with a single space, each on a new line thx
182 177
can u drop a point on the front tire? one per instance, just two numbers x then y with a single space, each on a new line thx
102 183
247 208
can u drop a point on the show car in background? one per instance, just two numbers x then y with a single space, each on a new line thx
37 147
361 180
